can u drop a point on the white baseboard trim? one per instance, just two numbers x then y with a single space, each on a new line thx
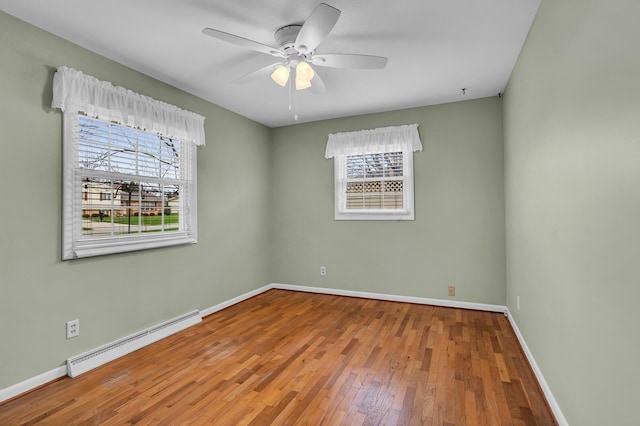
231 302
551 400
394 298
32 383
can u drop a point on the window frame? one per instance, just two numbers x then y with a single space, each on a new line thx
77 245
340 198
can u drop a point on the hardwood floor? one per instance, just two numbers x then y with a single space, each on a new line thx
293 358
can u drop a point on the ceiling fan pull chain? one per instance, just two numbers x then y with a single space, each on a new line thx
290 95
295 104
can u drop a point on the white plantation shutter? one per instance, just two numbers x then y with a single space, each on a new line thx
374 173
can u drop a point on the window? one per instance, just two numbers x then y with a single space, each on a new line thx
125 187
374 173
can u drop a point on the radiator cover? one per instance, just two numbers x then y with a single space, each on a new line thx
99 356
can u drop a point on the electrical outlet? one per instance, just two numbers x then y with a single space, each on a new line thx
73 328
518 302
452 290
323 270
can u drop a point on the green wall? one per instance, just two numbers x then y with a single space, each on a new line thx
116 295
456 239
572 154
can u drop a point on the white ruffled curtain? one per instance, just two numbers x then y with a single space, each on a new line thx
74 91
383 139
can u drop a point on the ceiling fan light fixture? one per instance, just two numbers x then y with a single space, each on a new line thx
302 84
280 75
304 72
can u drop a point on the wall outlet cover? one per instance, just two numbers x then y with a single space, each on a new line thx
73 328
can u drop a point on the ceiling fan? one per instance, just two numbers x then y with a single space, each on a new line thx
296 51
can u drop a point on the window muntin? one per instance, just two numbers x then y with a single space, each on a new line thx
134 189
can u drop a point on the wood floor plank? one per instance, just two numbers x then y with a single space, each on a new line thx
294 358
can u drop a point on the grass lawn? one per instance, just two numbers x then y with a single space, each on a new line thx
146 220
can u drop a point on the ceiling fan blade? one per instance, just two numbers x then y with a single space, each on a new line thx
342 60
262 72
244 42
316 28
317 85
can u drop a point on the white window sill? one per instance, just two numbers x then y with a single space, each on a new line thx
374 215
91 248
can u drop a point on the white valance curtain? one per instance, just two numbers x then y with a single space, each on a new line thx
383 139
74 91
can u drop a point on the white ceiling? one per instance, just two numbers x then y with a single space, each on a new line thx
435 48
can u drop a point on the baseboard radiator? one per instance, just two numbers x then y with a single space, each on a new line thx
99 356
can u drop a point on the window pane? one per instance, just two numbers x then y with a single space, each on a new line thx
118 149
375 195
169 164
384 164
97 207
111 208
93 147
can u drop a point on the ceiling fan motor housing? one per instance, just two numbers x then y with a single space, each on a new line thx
286 38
